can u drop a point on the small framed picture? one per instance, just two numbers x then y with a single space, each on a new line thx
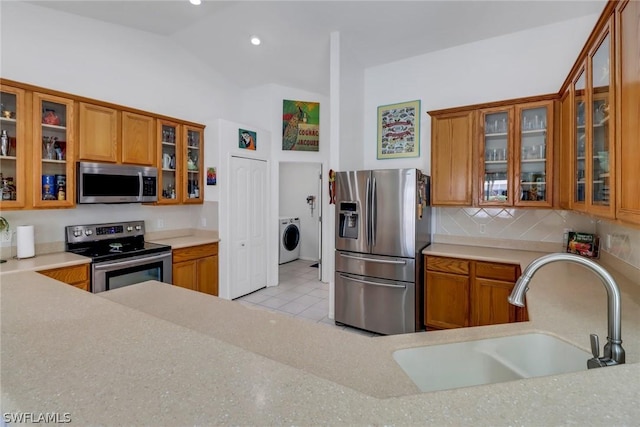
211 176
247 139
399 130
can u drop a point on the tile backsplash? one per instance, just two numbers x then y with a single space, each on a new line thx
535 226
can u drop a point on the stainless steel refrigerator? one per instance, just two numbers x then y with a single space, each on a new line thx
383 221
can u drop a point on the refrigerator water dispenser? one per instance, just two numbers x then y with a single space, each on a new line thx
348 220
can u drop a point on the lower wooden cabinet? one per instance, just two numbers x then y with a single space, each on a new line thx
77 276
196 268
461 293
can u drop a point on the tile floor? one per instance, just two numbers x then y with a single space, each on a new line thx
300 294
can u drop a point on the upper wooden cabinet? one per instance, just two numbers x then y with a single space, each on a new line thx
47 131
53 151
138 139
169 158
627 122
98 133
13 153
109 135
510 145
193 161
516 154
451 158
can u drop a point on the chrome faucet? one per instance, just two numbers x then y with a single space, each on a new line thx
613 351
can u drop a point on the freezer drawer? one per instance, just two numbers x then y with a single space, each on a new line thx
377 305
392 268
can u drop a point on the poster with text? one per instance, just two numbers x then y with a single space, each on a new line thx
300 126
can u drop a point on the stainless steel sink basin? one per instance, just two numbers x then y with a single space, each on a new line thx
491 360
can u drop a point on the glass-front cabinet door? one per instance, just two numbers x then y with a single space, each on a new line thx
53 151
170 157
13 161
579 142
495 152
600 130
193 165
533 154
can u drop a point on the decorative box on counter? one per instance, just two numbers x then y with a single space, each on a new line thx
585 244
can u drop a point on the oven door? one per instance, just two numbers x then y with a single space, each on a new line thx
116 274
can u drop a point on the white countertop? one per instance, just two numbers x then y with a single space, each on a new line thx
153 354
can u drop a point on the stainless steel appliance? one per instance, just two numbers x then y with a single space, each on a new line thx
109 183
119 255
383 221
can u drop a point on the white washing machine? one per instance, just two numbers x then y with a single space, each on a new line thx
289 239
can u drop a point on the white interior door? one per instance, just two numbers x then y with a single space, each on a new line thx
248 226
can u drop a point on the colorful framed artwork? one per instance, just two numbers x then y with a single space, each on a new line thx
211 176
399 130
300 126
247 139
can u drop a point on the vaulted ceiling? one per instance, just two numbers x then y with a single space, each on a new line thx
295 34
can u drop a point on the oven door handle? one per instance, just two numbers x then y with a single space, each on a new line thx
130 263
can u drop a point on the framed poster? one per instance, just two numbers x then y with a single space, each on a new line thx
300 126
247 139
399 130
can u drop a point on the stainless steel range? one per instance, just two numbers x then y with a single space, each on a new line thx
119 254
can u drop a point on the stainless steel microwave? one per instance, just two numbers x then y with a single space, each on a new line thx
110 183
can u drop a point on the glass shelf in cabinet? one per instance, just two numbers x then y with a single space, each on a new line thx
8 120
172 144
54 127
495 135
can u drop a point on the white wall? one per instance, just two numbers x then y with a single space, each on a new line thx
98 60
262 106
225 145
297 181
531 62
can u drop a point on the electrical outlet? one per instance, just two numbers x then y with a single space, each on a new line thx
483 228
5 236
608 243
203 222
160 223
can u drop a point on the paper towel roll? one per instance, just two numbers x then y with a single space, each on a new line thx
25 241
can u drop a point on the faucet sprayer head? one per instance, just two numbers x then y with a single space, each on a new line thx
517 294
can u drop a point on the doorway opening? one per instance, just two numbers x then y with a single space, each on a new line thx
300 206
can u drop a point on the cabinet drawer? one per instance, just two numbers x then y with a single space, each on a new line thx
447 265
195 252
71 275
492 270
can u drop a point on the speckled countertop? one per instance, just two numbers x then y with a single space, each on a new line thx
153 354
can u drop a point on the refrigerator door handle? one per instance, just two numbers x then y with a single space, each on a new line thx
380 261
367 282
374 213
367 202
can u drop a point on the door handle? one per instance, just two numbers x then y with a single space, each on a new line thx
368 282
379 261
374 213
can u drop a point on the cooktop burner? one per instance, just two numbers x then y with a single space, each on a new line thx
106 242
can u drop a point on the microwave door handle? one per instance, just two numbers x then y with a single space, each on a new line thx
140 186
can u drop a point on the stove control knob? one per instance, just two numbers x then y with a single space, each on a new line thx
129 228
77 233
138 228
88 232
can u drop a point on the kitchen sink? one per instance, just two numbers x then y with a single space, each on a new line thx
488 361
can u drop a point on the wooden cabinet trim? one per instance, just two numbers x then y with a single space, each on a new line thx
77 275
447 265
195 252
497 271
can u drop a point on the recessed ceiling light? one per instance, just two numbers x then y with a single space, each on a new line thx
255 40
195 2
